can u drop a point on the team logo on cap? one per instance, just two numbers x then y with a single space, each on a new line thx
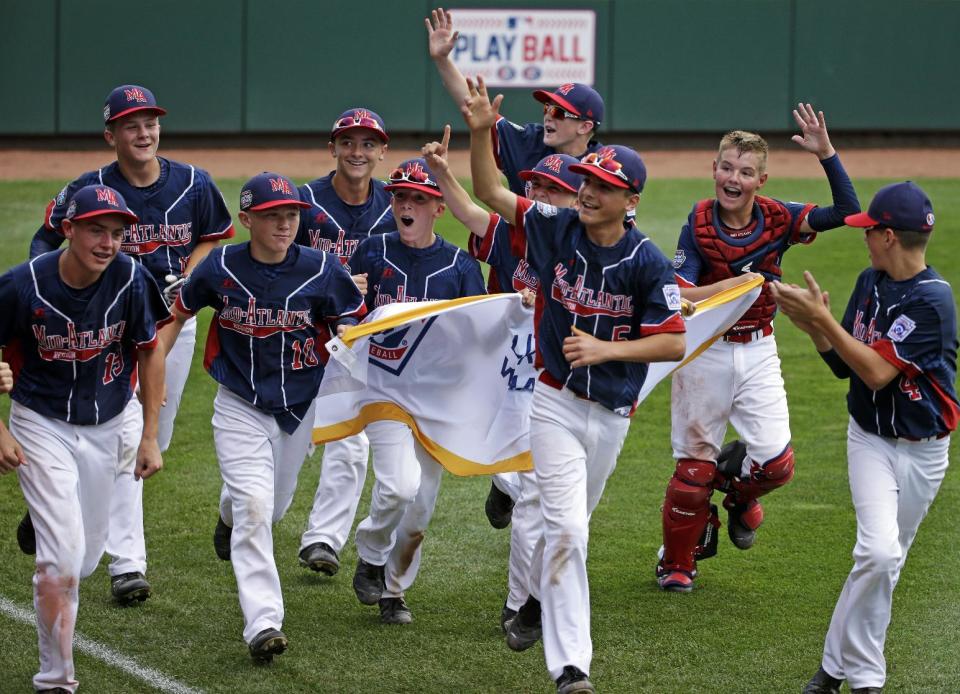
108 196
136 95
72 210
246 199
553 162
930 219
281 185
565 89
62 196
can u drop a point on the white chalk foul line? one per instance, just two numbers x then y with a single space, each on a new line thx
103 653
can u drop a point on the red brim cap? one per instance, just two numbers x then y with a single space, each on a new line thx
276 203
128 216
861 219
612 179
340 131
551 98
527 174
429 190
156 109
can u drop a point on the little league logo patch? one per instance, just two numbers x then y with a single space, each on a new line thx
62 196
246 199
547 210
393 349
72 210
671 292
901 328
679 258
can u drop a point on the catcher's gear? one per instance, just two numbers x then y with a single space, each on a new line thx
686 511
172 290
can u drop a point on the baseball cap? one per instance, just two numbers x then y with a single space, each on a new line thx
556 167
901 206
415 175
97 200
617 165
579 99
267 190
359 118
128 98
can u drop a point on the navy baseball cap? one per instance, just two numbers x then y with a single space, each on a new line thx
359 118
901 206
618 165
573 97
97 200
268 190
128 98
556 167
415 175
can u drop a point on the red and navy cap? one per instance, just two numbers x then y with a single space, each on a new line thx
269 190
97 200
359 118
582 101
128 98
901 206
556 167
618 165
415 175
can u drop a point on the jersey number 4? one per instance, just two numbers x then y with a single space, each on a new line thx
909 386
304 355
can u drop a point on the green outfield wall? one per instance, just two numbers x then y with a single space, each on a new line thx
290 66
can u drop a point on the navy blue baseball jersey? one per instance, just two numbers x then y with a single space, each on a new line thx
74 350
508 273
620 292
333 226
397 273
913 325
181 209
520 147
267 336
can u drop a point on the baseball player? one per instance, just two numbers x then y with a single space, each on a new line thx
346 206
182 216
513 495
571 113
608 305
410 264
81 324
738 378
275 304
897 344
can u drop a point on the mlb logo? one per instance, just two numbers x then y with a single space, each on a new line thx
135 95
108 196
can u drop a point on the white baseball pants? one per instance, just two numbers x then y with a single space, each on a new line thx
526 527
397 481
892 482
259 464
67 484
342 474
575 444
735 382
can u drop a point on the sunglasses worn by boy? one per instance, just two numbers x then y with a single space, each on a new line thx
608 164
357 122
412 175
558 113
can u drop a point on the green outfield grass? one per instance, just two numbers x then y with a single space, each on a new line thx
754 623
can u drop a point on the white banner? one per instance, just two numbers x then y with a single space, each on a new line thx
526 48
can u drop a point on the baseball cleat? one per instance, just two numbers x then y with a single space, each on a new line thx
822 683
395 611
129 588
506 616
526 628
368 582
573 680
26 535
266 644
499 508
867 690
320 557
674 580
743 521
221 539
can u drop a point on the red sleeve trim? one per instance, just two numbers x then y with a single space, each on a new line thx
948 408
496 143
480 247
683 282
227 233
518 234
796 236
181 308
48 213
673 324
886 349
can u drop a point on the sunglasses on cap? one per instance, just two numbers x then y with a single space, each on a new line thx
414 175
357 122
608 164
558 113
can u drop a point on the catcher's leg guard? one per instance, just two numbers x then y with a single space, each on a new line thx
686 510
745 512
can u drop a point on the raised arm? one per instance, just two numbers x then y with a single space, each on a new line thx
471 215
815 139
441 39
480 115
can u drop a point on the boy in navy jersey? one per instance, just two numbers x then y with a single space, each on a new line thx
80 325
897 344
608 304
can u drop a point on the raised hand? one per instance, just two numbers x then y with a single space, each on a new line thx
478 112
441 38
813 126
435 153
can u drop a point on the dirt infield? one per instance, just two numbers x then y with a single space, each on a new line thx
310 163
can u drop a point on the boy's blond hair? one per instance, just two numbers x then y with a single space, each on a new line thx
744 141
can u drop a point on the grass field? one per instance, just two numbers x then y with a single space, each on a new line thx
755 622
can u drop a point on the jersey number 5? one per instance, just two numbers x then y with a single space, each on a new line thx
303 354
